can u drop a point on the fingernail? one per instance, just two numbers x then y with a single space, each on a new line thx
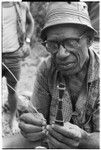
47 127
53 122
47 132
43 127
44 123
44 131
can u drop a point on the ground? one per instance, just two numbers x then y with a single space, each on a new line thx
26 82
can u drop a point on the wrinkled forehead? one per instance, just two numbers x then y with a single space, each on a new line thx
61 32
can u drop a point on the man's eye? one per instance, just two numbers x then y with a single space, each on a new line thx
52 45
73 42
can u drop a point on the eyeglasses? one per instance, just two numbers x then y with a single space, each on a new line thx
53 46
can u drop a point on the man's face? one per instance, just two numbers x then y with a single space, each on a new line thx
70 56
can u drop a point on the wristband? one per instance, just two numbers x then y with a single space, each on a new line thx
28 40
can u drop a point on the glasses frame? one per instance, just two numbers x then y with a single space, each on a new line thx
61 42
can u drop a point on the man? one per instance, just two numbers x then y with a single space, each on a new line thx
67 35
17 29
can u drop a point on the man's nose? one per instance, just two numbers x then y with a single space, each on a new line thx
62 53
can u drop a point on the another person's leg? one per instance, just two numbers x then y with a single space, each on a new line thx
11 63
12 95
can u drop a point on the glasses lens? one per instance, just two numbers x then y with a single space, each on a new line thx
71 42
52 46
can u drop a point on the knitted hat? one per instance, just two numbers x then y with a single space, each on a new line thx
66 13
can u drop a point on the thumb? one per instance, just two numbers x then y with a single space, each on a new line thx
31 119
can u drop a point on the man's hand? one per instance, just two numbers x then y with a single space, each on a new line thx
32 127
67 136
26 50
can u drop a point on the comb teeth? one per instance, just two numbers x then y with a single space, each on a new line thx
59 115
61 87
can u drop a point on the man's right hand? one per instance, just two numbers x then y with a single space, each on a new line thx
32 127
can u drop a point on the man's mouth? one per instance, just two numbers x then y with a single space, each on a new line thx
65 62
66 65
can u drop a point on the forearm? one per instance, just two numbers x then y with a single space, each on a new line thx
90 140
29 30
30 25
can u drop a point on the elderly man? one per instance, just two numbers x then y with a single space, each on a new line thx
67 35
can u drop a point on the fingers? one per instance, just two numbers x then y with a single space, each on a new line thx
30 119
29 128
54 143
34 136
68 131
32 132
63 139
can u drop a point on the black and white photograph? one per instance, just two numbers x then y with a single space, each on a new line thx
50 77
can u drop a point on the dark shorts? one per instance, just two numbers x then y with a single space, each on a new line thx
12 61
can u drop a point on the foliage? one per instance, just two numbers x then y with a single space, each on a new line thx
38 10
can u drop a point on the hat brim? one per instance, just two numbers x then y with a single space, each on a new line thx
64 21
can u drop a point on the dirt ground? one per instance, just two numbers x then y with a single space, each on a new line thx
26 82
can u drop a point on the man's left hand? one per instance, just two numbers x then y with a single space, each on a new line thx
26 50
67 136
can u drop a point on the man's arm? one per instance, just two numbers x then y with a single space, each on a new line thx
30 24
92 140
29 32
